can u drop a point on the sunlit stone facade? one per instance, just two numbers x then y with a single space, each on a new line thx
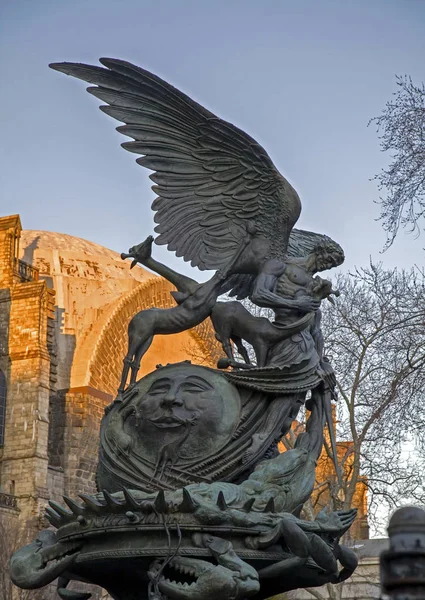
64 308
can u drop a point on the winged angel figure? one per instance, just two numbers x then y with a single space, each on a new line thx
210 177
215 186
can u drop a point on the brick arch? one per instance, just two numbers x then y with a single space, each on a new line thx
105 366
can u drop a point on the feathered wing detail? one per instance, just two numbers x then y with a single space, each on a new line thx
211 178
239 286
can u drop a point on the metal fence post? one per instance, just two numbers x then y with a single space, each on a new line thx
403 565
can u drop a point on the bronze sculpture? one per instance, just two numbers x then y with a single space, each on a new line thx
192 308
189 477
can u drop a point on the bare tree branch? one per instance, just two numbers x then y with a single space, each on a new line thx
13 537
401 129
375 338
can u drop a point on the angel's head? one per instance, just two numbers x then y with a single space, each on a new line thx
328 255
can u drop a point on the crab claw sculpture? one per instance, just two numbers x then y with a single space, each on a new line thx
200 579
42 561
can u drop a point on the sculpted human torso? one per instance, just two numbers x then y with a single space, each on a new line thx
297 282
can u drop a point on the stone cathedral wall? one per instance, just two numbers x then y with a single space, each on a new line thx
65 304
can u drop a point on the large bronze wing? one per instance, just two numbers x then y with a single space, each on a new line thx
210 177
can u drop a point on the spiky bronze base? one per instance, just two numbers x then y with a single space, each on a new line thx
135 535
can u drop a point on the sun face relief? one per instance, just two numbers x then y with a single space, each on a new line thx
177 400
175 403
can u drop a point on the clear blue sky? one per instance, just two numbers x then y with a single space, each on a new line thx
302 77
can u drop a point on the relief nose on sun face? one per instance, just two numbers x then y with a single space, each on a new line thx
172 398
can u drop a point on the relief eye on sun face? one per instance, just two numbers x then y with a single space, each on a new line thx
194 385
160 387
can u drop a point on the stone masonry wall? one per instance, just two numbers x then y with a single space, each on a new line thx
5 304
10 231
57 426
52 435
83 413
56 484
26 458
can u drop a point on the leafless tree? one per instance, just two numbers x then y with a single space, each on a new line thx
375 339
13 537
401 129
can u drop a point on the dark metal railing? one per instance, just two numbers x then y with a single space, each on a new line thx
26 271
8 501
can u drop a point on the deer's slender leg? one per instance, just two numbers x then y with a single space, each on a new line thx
141 351
241 348
127 363
227 347
261 350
